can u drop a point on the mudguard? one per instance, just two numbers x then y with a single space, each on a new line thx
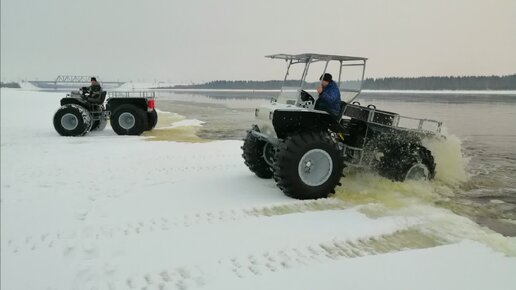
113 103
290 121
74 101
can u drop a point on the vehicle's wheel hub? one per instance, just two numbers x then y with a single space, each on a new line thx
268 153
315 167
418 171
69 121
126 120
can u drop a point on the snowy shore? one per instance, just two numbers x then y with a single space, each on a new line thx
115 212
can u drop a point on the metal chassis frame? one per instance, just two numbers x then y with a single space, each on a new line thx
263 137
395 125
132 94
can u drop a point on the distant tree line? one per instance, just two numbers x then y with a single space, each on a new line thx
444 83
9 85
235 85
391 83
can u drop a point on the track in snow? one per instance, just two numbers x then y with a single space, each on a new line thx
264 263
63 239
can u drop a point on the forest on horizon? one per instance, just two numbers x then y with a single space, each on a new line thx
507 82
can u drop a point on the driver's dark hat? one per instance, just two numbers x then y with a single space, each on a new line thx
326 77
93 79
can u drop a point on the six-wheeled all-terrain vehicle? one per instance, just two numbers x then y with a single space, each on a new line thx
130 113
305 150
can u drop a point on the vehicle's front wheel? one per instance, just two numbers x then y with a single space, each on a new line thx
129 120
254 154
308 165
407 162
72 120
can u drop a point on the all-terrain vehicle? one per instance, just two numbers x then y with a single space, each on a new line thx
130 113
306 150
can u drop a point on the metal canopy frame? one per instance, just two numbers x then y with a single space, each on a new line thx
305 57
309 58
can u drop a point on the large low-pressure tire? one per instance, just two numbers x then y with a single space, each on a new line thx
253 154
72 120
308 165
99 125
407 162
129 120
152 119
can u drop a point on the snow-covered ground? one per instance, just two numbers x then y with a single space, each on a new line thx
115 212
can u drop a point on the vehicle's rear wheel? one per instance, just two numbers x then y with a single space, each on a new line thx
407 162
152 118
308 165
254 157
129 120
72 120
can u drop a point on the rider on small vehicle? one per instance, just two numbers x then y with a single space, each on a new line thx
329 96
93 93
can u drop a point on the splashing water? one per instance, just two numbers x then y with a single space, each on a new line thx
430 202
362 186
450 162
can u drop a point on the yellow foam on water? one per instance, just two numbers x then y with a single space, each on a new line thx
364 188
165 132
178 134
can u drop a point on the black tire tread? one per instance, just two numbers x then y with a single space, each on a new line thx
82 115
253 155
140 119
152 117
286 162
399 158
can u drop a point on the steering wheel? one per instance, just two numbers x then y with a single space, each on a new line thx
307 101
83 93
305 97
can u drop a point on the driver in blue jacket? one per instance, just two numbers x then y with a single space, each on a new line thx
329 96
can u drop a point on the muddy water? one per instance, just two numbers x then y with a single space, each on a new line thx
220 122
169 128
476 165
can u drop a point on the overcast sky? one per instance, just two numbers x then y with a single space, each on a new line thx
192 41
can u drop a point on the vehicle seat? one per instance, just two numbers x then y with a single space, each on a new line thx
103 97
341 113
337 125
98 98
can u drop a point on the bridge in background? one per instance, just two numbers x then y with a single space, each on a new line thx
67 82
